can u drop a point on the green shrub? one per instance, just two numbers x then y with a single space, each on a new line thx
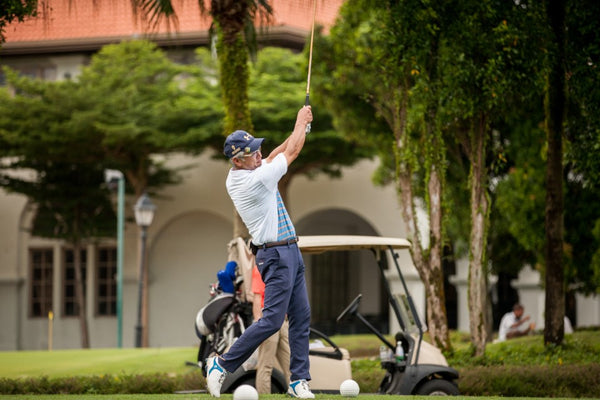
504 380
582 348
105 384
531 381
368 373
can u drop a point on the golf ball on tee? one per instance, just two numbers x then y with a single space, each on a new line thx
349 388
245 392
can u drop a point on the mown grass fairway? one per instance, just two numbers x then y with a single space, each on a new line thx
261 397
61 363
516 368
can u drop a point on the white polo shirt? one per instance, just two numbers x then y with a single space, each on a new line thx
254 195
508 320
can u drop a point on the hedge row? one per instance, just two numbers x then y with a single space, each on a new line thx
575 381
105 384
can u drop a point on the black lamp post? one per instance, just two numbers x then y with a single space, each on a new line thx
144 214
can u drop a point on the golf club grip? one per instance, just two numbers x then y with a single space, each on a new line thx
306 103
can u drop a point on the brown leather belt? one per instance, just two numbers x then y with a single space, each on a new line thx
285 242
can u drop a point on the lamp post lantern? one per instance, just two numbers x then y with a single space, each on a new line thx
144 214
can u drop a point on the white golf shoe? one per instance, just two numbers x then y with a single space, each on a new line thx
300 390
215 375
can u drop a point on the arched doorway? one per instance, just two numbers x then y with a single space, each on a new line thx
184 260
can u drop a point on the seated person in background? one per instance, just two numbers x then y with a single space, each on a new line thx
514 324
275 348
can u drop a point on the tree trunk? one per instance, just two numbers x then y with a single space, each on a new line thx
555 110
437 315
79 294
233 57
429 268
233 68
477 300
426 261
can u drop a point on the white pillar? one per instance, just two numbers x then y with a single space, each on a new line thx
588 310
531 295
461 282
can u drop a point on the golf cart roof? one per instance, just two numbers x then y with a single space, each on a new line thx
321 243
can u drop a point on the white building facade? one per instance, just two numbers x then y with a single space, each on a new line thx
187 241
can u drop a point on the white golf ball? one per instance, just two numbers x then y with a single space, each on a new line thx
349 388
245 392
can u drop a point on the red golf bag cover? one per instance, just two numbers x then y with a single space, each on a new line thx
208 316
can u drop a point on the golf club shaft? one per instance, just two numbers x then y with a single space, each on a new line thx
310 52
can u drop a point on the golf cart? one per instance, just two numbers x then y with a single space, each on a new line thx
422 371
413 367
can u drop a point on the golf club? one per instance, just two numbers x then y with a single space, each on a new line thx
310 52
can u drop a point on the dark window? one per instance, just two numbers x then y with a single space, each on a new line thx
330 288
106 281
70 304
41 267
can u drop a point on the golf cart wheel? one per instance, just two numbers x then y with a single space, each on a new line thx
438 387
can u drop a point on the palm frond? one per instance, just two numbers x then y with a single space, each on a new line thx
153 12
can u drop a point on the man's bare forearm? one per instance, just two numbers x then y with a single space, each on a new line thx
294 143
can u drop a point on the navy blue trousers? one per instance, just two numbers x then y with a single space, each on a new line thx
282 270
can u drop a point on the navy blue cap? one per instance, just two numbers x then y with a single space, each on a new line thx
241 142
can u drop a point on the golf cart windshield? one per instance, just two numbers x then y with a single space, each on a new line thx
400 301
408 321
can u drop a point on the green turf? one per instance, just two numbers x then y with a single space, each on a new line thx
581 348
230 397
61 363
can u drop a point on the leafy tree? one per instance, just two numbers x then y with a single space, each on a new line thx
381 80
458 71
42 150
126 107
520 196
521 192
137 107
15 10
582 150
571 112
233 25
488 69
135 103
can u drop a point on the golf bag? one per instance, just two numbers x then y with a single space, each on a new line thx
229 309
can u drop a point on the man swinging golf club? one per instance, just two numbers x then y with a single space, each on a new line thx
252 185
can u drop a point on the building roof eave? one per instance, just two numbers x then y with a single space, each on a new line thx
285 36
